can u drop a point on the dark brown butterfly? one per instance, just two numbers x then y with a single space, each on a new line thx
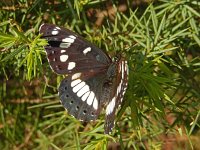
94 80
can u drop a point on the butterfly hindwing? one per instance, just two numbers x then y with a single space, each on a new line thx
69 53
82 98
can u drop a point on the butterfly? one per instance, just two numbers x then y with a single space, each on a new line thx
94 81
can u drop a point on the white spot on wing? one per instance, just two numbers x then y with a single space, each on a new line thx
71 65
68 40
85 51
76 76
75 82
84 97
54 32
126 66
123 92
83 90
73 37
90 98
58 28
64 45
122 69
63 51
95 103
63 58
78 87
110 107
119 88
127 71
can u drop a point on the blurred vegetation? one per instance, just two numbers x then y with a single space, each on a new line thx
162 104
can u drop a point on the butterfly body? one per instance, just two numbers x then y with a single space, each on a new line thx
94 80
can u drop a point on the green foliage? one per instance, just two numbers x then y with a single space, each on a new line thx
161 42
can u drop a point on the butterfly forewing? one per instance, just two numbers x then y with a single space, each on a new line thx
69 53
